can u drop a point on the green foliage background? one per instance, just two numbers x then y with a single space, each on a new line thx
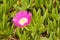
45 23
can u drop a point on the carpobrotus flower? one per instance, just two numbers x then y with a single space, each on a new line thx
22 18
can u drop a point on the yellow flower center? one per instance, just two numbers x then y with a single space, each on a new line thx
22 21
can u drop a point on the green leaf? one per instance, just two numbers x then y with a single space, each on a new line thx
42 29
4 20
59 22
43 38
57 32
50 25
37 3
1 13
51 35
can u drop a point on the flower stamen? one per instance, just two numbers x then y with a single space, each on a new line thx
22 21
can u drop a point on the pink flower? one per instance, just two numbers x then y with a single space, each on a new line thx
22 18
